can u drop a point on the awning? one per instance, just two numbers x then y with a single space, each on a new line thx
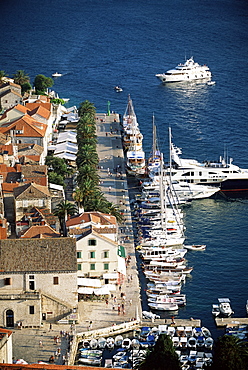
84 290
87 282
101 291
110 275
110 287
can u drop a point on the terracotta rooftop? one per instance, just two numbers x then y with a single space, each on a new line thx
95 217
8 188
41 111
40 232
26 125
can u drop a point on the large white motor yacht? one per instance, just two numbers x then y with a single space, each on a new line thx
232 180
190 70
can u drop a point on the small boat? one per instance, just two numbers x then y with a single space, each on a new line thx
206 332
200 341
56 74
101 342
150 315
175 341
118 340
197 331
195 247
210 83
225 306
246 306
86 343
118 89
209 342
91 357
163 306
135 343
126 343
110 343
192 341
215 310
93 343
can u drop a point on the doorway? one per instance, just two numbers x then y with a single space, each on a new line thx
9 319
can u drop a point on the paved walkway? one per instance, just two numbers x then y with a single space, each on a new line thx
26 342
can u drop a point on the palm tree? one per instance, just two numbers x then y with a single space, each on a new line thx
162 357
88 190
114 210
87 155
21 78
87 107
78 197
2 75
62 210
86 171
230 353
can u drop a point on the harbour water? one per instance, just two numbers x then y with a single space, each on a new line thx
97 45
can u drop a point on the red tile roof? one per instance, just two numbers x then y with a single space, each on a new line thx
27 125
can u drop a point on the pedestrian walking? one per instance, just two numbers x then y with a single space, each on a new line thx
119 309
41 344
106 301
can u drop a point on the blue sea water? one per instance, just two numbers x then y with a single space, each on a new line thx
98 44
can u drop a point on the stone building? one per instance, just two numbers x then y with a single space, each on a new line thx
38 280
10 95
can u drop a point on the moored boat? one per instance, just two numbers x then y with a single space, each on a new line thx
188 71
196 247
225 307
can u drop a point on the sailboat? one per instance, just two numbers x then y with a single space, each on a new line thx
154 161
132 142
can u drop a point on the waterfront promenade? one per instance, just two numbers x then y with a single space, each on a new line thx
35 345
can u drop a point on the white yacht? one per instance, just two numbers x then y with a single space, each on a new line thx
225 306
231 179
188 71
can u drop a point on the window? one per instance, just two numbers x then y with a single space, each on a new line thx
79 267
79 254
7 281
105 266
106 254
55 280
92 242
31 310
31 277
93 254
92 266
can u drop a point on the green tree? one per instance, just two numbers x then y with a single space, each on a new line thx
62 210
41 83
162 357
57 165
230 353
26 87
20 77
55 178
